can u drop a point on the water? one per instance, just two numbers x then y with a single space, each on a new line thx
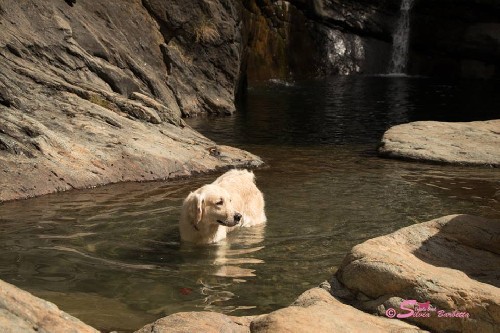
111 255
400 39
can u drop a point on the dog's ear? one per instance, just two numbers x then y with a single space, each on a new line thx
194 205
199 204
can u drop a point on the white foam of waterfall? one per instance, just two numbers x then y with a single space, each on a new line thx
400 39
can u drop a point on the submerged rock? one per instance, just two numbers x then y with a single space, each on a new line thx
472 143
450 266
22 312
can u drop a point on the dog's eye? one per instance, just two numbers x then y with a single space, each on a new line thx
220 202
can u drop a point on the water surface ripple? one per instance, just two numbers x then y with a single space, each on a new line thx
111 256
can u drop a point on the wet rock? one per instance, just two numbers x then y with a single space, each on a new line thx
473 143
450 264
22 312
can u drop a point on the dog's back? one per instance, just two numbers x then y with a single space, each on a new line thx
245 195
234 177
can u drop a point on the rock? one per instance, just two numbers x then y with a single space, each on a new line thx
314 311
95 101
187 322
317 311
22 312
451 263
473 143
296 39
202 49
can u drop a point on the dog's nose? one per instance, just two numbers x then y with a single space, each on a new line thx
237 217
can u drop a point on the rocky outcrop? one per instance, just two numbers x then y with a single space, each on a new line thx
279 42
91 93
473 143
449 265
22 312
317 311
296 39
314 311
202 51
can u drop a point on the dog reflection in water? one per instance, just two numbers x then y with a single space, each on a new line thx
208 214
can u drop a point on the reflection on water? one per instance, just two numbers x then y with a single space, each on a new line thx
111 256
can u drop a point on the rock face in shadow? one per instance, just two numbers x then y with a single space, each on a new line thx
473 143
22 312
451 263
314 311
90 94
202 50
456 38
296 39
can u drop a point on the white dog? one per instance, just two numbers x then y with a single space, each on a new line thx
215 209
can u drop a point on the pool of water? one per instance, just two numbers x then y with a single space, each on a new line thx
111 256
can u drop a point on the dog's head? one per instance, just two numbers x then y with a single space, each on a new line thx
211 204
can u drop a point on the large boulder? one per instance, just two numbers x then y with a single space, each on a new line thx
317 311
471 143
21 312
450 266
314 311
88 96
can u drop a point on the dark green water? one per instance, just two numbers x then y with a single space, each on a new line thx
111 256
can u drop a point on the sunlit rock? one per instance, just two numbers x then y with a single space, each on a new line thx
447 267
471 143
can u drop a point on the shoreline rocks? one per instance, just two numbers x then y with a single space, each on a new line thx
451 264
313 311
469 143
22 312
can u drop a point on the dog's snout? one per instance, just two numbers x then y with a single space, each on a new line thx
237 217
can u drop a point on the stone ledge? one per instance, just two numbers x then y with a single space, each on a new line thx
471 143
452 262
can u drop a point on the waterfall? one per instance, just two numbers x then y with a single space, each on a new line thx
400 39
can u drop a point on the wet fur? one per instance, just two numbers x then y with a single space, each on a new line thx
202 209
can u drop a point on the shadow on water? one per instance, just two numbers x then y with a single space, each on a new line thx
111 256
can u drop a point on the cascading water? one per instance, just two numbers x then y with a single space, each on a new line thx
400 39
